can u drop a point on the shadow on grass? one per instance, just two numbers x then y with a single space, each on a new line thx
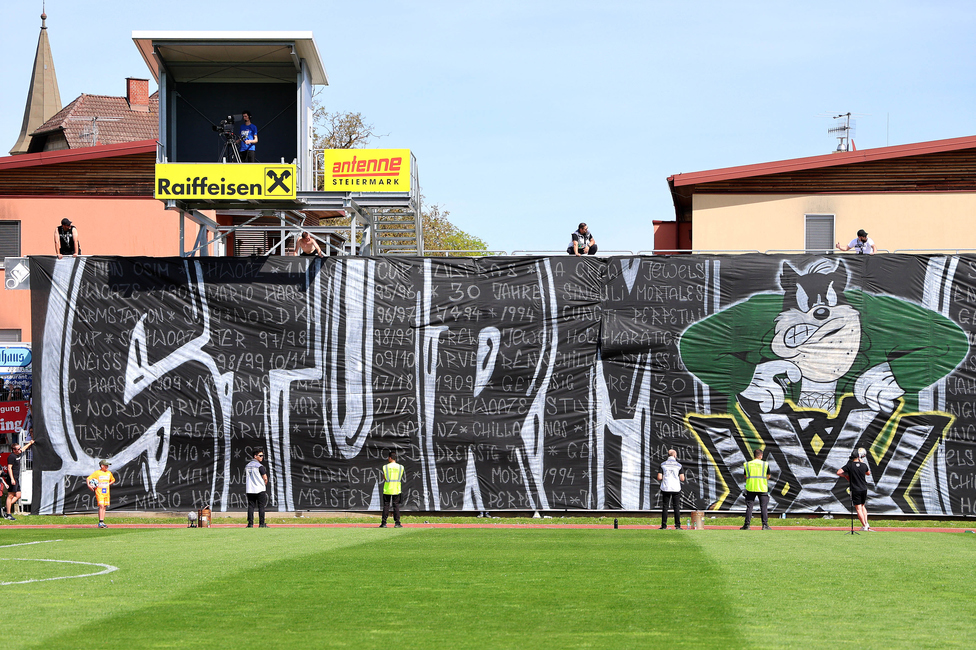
448 588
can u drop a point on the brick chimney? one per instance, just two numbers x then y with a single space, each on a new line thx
137 94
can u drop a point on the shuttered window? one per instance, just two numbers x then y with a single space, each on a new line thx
819 233
250 243
9 239
9 336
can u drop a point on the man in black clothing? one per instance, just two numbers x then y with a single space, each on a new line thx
66 240
256 487
856 471
12 476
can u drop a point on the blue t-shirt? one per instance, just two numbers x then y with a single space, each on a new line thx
248 132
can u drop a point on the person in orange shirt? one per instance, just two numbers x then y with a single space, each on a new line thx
99 483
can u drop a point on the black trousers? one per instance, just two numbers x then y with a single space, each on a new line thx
763 506
675 499
592 250
395 500
260 500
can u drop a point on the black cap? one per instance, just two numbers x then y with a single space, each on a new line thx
861 233
854 455
66 221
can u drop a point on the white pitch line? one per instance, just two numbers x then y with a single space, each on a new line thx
108 569
43 541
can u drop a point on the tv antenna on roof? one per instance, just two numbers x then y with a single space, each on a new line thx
90 137
843 130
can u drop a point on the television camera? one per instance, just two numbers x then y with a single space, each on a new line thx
229 138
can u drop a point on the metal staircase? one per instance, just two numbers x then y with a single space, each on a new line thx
396 231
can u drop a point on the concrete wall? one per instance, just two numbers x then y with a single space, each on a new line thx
936 220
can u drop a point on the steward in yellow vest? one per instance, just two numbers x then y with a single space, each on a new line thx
757 485
393 474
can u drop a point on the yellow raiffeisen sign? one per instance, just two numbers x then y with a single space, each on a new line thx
367 170
225 181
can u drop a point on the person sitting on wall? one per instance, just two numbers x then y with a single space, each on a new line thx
583 242
861 245
249 138
307 246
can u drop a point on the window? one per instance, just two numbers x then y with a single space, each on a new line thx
247 243
819 233
9 336
9 239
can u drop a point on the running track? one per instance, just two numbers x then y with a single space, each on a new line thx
486 525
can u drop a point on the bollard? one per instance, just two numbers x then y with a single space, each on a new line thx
615 523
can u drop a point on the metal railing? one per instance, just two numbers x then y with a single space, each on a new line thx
599 253
697 251
815 251
955 251
462 253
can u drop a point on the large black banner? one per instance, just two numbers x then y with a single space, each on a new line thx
505 383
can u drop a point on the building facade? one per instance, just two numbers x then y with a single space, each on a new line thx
911 197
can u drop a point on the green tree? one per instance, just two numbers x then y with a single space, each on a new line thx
338 130
348 130
442 235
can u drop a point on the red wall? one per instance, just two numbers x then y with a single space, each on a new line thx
671 236
106 226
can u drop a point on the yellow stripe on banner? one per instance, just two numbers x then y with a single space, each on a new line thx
928 457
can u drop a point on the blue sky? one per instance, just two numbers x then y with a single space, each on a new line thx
528 117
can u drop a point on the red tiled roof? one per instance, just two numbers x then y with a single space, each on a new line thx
116 123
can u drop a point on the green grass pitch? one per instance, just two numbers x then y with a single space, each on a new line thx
487 588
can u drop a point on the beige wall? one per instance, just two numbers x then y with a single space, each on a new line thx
106 226
764 222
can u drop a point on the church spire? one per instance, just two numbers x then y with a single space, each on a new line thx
43 98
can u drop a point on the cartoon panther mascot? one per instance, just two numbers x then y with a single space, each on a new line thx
819 340
813 372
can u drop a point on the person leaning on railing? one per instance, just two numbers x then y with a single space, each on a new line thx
861 245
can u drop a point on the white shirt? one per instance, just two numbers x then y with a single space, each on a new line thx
862 247
671 471
255 482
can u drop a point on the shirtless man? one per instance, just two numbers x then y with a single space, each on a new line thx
307 246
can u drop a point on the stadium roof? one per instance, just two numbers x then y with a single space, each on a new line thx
230 56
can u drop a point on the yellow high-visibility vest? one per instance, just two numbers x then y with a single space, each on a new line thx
756 473
393 478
